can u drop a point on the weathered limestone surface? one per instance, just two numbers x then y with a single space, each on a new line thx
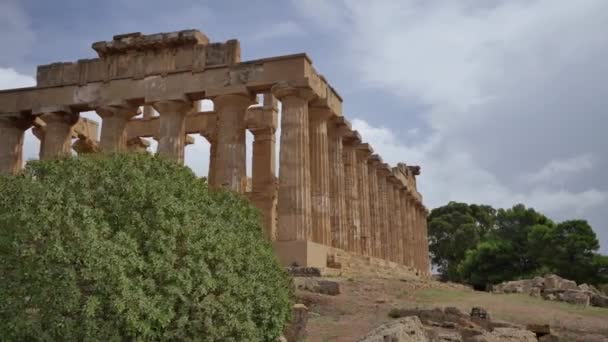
382 173
114 126
350 143
337 129
331 192
363 152
294 206
262 122
58 137
12 130
319 161
172 138
230 165
374 205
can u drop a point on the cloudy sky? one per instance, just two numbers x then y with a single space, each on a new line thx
500 102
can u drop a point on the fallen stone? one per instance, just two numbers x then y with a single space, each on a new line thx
553 282
535 292
295 331
480 314
575 297
599 301
304 271
539 329
548 338
326 287
408 329
514 335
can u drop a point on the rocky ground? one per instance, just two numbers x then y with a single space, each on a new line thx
348 309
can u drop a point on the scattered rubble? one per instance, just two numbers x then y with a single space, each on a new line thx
326 287
295 331
451 324
552 287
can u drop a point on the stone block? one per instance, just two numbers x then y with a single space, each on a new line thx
575 297
301 253
326 287
295 331
408 329
599 301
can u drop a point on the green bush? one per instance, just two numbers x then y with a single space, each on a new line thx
133 247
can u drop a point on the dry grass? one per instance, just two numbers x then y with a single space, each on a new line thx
365 304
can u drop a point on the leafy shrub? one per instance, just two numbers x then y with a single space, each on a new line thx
133 247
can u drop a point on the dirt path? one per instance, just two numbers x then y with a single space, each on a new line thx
365 302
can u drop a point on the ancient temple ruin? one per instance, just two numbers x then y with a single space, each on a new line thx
332 193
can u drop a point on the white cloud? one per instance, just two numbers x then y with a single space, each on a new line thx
560 170
10 78
279 30
510 94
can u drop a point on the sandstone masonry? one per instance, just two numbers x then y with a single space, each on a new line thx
332 194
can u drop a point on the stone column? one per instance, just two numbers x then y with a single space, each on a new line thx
350 143
12 129
404 235
363 153
113 127
337 193
374 206
172 133
294 207
384 212
319 173
399 224
231 164
57 139
425 242
406 198
262 122
209 131
393 219
417 242
138 145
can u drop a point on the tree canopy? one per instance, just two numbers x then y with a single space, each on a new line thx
480 245
133 247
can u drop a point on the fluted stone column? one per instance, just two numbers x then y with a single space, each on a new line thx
364 151
399 227
319 173
262 122
407 208
350 143
403 233
231 163
425 242
12 129
113 128
209 131
294 207
57 139
417 241
374 206
172 135
394 219
337 129
382 173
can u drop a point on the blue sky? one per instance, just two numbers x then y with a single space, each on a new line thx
500 102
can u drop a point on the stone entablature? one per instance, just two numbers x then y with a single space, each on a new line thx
332 191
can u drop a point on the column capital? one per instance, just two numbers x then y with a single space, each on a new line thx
319 113
173 106
374 160
384 169
352 138
17 120
340 126
261 119
284 91
69 118
125 112
364 151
